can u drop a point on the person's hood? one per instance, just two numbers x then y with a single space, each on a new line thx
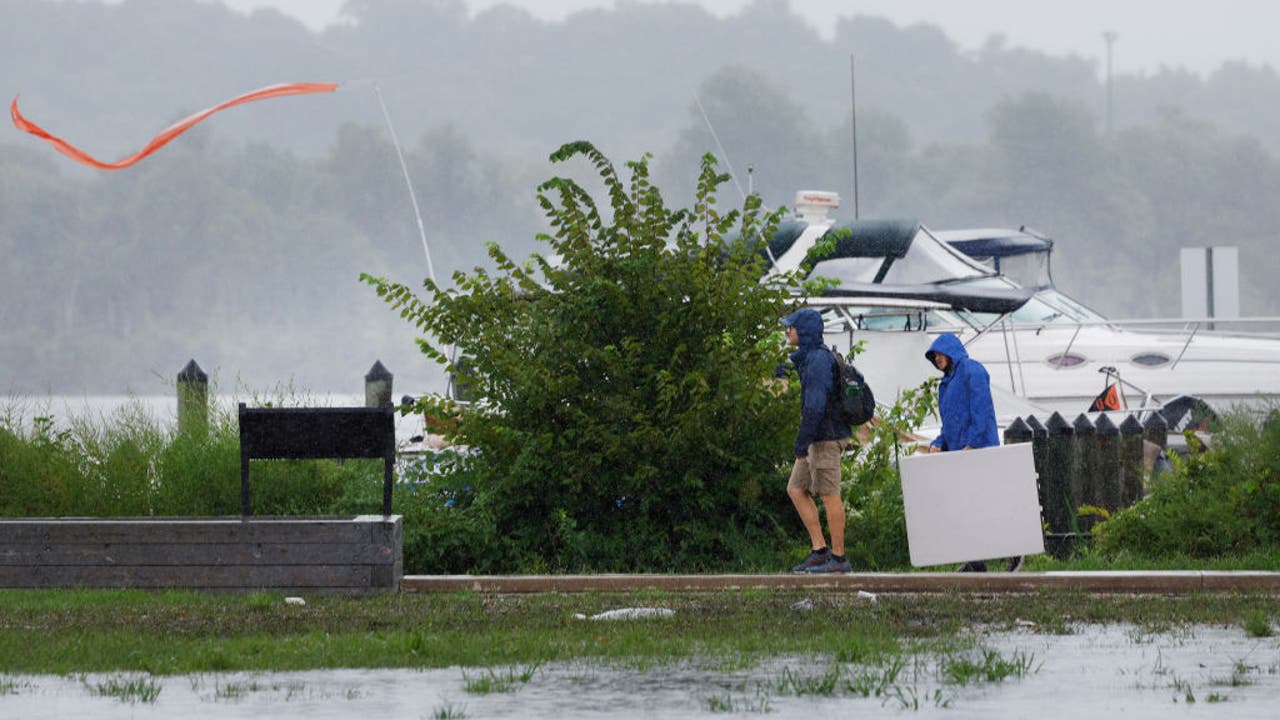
808 325
948 345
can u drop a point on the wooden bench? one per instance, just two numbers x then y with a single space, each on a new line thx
317 433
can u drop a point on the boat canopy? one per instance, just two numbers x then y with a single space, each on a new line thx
894 252
902 259
984 243
1021 255
898 260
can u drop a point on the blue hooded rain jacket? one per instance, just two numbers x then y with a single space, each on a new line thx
819 418
964 399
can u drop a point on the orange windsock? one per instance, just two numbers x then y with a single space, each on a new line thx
1108 399
170 132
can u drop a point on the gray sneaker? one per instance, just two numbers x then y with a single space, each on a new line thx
832 565
815 558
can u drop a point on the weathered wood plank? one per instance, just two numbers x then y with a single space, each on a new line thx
198 554
177 530
358 555
193 576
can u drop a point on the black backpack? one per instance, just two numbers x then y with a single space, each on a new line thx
851 393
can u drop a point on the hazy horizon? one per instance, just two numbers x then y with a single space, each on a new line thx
1149 34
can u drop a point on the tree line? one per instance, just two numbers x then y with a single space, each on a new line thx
241 246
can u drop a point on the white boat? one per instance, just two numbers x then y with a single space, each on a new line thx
901 283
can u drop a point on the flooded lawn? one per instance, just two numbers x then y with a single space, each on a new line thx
1092 672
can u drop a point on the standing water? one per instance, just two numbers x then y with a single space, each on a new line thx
1093 672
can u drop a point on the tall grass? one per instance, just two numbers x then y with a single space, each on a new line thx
1217 510
131 464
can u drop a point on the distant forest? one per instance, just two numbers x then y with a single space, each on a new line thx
239 244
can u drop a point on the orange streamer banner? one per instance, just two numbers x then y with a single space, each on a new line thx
171 132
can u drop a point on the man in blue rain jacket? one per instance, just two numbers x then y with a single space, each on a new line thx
967 411
964 398
822 439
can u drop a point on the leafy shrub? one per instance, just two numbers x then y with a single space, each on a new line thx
1219 501
39 469
622 418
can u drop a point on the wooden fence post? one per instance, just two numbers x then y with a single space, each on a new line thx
377 386
193 401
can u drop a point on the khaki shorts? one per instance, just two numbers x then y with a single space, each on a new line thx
819 474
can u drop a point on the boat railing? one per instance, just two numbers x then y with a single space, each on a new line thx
1188 328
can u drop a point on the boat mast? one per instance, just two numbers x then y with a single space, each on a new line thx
853 100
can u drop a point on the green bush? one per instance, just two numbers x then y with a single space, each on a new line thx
1219 501
130 465
623 419
39 469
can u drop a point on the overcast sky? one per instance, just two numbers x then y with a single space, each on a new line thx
1197 35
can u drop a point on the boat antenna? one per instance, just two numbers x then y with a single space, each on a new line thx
450 381
853 123
773 261
404 168
720 148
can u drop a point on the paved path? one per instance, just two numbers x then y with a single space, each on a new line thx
1171 582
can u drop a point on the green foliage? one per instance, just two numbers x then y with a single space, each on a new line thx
38 469
876 528
1224 500
130 465
623 418
1257 624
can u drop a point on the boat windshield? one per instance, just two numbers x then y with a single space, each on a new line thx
1046 306
1070 305
890 319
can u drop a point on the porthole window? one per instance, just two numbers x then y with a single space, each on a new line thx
1150 359
1067 360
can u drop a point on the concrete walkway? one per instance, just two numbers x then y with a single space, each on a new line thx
1138 581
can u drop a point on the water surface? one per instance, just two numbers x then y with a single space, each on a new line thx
1094 672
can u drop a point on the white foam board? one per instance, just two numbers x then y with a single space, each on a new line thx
971 505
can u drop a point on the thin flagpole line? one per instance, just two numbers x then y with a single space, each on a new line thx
723 155
404 168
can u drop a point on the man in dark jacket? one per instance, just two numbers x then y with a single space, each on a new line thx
822 438
967 411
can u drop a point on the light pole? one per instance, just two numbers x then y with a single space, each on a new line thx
1110 38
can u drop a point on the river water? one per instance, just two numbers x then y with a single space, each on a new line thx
102 409
1094 672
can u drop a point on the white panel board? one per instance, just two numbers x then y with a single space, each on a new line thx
1195 286
971 505
1226 282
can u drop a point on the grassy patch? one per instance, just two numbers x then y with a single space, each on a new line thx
988 667
498 681
449 711
1258 624
60 632
126 688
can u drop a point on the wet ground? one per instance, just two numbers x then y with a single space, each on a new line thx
1093 672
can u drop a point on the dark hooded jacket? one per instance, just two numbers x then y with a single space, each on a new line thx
964 399
819 418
